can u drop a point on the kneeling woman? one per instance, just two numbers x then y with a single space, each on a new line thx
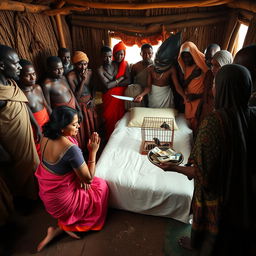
67 185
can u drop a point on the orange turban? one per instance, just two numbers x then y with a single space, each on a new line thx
79 56
118 47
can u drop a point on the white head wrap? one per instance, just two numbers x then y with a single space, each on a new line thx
223 57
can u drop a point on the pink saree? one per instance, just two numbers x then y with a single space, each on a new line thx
75 208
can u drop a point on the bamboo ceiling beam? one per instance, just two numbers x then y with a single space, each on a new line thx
246 5
149 20
145 6
22 7
151 29
65 10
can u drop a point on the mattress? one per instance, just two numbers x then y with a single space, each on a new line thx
139 186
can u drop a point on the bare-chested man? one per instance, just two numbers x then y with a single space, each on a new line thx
162 78
80 82
108 70
139 75
55 87
115 76
34 94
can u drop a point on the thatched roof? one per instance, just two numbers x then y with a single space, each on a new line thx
53 7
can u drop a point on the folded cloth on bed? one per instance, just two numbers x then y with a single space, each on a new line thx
137 115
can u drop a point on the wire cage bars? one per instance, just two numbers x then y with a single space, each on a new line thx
156 131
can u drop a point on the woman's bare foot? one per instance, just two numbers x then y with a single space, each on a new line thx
72 234
185 242
51 233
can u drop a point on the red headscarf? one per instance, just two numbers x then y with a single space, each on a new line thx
122 66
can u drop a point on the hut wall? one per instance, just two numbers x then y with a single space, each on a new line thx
32 35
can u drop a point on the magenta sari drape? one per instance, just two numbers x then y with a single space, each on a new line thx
75 208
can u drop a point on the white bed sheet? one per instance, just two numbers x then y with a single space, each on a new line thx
139 186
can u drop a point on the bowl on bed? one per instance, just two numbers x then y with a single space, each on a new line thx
153 158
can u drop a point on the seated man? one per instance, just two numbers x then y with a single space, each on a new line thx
80 82
162 76
35 96
139 76
16 135
65 57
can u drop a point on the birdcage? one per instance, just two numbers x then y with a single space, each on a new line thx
156 131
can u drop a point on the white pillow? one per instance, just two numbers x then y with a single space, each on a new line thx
137 115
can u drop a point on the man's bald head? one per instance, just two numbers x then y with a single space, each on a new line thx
247 58
209 52
9 63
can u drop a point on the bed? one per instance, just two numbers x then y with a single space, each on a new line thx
139 186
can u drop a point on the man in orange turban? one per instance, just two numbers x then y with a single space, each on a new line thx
79 56
80 82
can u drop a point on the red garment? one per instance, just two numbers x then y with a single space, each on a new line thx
89 123
113 109
123 64
41 118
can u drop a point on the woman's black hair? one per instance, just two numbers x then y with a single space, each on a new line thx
60 118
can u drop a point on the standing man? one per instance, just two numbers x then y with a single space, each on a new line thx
139 74
115 76
209 52
16 134
65 56
34 94
56 89
162 78
80 82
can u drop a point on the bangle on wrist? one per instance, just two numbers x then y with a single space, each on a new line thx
91 162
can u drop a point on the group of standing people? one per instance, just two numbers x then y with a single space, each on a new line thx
62 109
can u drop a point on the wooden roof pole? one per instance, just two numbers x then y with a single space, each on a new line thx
60 27
21 7
144 6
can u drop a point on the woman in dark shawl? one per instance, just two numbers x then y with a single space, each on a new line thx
223 170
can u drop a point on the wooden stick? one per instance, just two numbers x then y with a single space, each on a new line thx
65 10
246 5
145 6
21 7
151 29
149 20
60 31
